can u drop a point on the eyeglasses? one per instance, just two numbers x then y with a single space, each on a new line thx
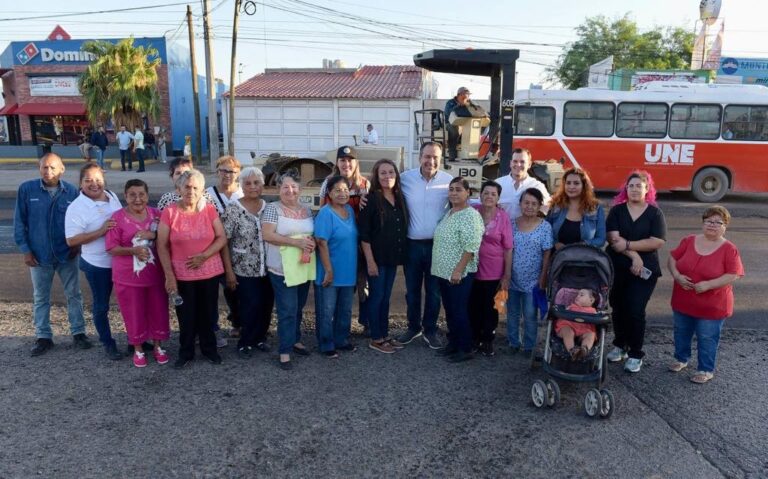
228 172
713 223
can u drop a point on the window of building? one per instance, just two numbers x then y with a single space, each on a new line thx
642 120
696 122
746 123
584 118
534 120
64 130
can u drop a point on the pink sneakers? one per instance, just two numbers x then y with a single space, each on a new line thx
139 359
160 355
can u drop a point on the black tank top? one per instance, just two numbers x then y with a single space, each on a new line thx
570 232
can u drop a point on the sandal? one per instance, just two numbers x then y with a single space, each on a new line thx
702 377
576 353
677 366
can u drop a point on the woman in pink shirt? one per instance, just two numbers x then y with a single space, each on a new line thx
494 268
143 302
189 240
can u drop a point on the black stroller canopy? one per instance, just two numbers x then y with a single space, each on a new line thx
574 257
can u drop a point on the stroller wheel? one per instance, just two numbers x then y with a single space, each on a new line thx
539 393
553 393
607 405
593 403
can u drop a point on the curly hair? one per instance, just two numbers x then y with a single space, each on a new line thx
587 203
646 178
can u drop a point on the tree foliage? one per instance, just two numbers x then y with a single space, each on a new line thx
599 37
121 83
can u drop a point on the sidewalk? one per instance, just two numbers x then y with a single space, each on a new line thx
13 172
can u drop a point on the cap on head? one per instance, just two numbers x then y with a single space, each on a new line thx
463 90
346 152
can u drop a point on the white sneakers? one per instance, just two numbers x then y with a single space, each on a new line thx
633 365
616 355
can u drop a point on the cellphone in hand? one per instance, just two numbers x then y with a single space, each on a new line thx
645 273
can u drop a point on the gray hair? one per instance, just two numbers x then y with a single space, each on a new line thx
248 172
182 180
287 175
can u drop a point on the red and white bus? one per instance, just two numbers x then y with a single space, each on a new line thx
708 139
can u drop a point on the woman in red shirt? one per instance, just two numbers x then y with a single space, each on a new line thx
704 266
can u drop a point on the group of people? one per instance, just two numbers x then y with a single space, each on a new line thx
453 250
142 144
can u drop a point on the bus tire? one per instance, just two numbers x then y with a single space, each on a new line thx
710 185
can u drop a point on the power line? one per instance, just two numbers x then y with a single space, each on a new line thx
95 12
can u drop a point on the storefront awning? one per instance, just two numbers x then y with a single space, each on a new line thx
9 109
64 109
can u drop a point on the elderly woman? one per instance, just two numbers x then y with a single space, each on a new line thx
636 231
246 263
383 228
288 228
224 193
189 241
530 262
86 223
176 167
494 268
336 237
704 267
140 294
575 213
454 262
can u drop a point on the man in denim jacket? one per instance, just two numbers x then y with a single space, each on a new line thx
39 234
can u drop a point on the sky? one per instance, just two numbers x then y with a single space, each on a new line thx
301 33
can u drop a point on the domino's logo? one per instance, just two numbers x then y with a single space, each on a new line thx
29 52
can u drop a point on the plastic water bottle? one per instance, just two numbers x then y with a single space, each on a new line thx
175 299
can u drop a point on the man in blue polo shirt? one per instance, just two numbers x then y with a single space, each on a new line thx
426 194
39 233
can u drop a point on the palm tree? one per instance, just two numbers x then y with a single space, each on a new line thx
121 83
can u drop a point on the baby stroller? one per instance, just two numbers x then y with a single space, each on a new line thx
575 267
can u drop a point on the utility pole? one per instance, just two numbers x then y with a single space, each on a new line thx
213 124
195 93
231 127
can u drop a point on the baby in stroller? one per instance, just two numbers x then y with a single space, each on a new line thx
570 331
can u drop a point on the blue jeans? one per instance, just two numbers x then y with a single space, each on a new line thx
140 157
100 281
520 303
99 157
377 304
456 305
42 280
289 301
707 338
417 274
126 155
333 316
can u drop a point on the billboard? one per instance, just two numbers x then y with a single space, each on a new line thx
743 70
69 52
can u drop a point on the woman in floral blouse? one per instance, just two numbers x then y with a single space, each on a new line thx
246 268
454 262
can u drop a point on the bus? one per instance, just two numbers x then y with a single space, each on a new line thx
705 138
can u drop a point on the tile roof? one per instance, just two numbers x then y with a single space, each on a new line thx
367 82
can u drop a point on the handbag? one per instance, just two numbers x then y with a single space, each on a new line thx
500 301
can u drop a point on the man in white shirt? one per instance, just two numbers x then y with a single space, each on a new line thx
373 136
426 195
124 140
517 181
138 145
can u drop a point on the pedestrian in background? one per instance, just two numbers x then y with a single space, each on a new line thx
140 293
494 269
454 264
288 228
149 144
161 148
189 241
372 138
87 221
383 229
100 143
124 140
38 226
138 147
704 266
246 263
336 238
636 231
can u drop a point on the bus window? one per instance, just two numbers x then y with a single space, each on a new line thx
586 118
697 122
642 120
534 120
743 122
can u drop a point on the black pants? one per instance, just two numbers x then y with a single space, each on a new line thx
196 315
256 300
482 317
629 296
233 304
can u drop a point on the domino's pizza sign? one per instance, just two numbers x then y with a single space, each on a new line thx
27 53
